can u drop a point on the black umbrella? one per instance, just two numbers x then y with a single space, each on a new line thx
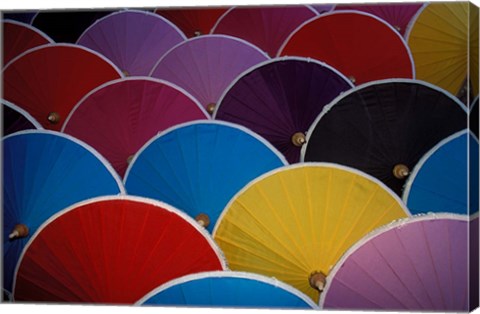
474 117
383 128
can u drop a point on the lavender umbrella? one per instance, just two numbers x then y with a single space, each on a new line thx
280 99
132 40
323 8
420 264
204 66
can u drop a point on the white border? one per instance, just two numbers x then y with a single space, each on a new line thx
207 122
85 146
378 232
413 20
53 45
134 78
23 112
275 60
325 165
425 158
335 101
161 205
126 11
30 27
228 274
402 40
205 37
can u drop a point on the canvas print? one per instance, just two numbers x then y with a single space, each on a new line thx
315 156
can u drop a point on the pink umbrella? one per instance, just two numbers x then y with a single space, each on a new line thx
132 40
120 116
420 264
265 27
396 14
206 65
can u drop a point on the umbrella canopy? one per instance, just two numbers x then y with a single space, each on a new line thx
44 172
383 128
279 99
296 222
354 43
199 166
133 40
439 181
16 119
438 37
398 15
420 264
204 66
47 81
66 26
127 113
19 37
112 250
21 16
474 117
267 27
323 8
228 289
193 21
473 264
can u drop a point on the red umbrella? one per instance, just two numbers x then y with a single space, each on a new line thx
19 37
47 81
193 21
112 250
359 45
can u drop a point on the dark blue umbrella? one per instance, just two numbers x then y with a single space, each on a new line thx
43 173
228 289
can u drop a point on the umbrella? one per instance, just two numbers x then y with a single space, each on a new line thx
112 250
19 37
228 289
473 264
120 116
398 15
420 264
279 99
16 119
44 172
21 16
294 223
266 27
47 81
204 66
193 21
66 26
383 128
355 44
198 167
473 117
323 8
438 37
133 40
439 181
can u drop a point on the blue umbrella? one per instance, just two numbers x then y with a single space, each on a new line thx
228 289
44 172
439 182
199 166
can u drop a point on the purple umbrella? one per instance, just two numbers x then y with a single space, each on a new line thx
419 264
323 8
279 99
204 66
132 40
16 119
396 14
266 27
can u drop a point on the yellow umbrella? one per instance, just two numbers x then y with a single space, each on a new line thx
474 68
438 39
298 220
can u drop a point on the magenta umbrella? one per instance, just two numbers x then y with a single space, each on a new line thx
419 264
206 65
120 116
398 15
132 40
267 27
323 8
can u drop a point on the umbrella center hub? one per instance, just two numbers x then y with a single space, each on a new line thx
298 139
317 280
19 231
211 108
203 220
129 159
53 117
401 171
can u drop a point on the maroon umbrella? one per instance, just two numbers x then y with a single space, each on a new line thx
279 99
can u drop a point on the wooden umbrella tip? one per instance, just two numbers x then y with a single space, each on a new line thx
401 171
317 280
129 159
197 33
352 79
125 73
53 117
19 231
299 139
203 220
211 108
